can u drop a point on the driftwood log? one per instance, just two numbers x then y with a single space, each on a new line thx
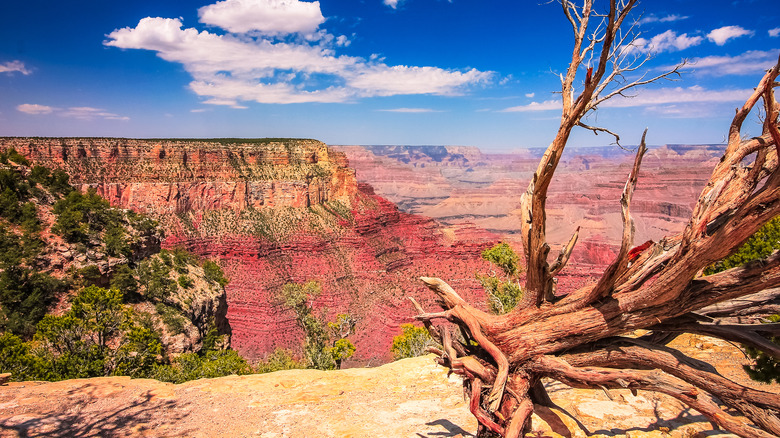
580 339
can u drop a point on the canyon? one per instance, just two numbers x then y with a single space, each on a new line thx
273 212
367 221
457 184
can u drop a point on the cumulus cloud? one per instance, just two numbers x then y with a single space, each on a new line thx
668 41
31 108
14 66
76 112
774 32
530 95
227 69
750 62
650 98
270 17
652 18
382 80
721 35
392 3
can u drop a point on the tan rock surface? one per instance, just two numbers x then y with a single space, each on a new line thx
408 398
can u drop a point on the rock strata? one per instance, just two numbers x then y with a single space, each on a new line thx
274 212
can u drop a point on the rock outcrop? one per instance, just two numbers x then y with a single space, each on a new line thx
274 212
408 398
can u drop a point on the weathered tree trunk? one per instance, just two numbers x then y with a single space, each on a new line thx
578 340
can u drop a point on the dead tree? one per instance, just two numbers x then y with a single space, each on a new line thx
580 339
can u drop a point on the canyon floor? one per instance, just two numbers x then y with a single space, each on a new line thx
407 398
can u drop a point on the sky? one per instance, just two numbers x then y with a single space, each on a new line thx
417 72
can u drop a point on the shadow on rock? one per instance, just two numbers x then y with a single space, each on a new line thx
83 412
451 429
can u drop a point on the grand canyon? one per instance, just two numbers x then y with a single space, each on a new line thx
365 221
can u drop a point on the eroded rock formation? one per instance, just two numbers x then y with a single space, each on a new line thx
274 212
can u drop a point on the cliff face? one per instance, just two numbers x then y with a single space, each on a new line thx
453 185
275 212
164 177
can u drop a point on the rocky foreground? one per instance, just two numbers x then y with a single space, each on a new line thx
408 398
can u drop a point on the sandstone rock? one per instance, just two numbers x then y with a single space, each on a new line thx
274 213
408 398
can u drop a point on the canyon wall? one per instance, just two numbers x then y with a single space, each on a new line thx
276 211
458 184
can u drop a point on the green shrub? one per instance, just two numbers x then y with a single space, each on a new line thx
760 245
115 241
15 358
191 366
154 277
279 360
214 273
504 257
503 295
321 349
25 297
124 280
412 342
186 282
171 317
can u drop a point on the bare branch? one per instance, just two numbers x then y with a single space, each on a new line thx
607 281
563 257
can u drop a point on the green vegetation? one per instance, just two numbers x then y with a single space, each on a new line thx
191 366
504 291
25 297
279 360
83 217
325 346
101 334
760 245
412 342
214 273
503 256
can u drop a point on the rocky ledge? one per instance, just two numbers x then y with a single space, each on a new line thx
407 398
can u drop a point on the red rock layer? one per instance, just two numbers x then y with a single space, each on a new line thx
275 213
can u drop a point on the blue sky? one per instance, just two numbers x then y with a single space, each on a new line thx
459 72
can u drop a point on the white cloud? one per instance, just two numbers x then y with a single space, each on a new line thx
675 95
270 17
750 62
382 80
227 69
89 113
660 96
652 18
410 110
530 95
392 3
774 32
14 66
721 35
547 105
31 108
77 112
668 41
